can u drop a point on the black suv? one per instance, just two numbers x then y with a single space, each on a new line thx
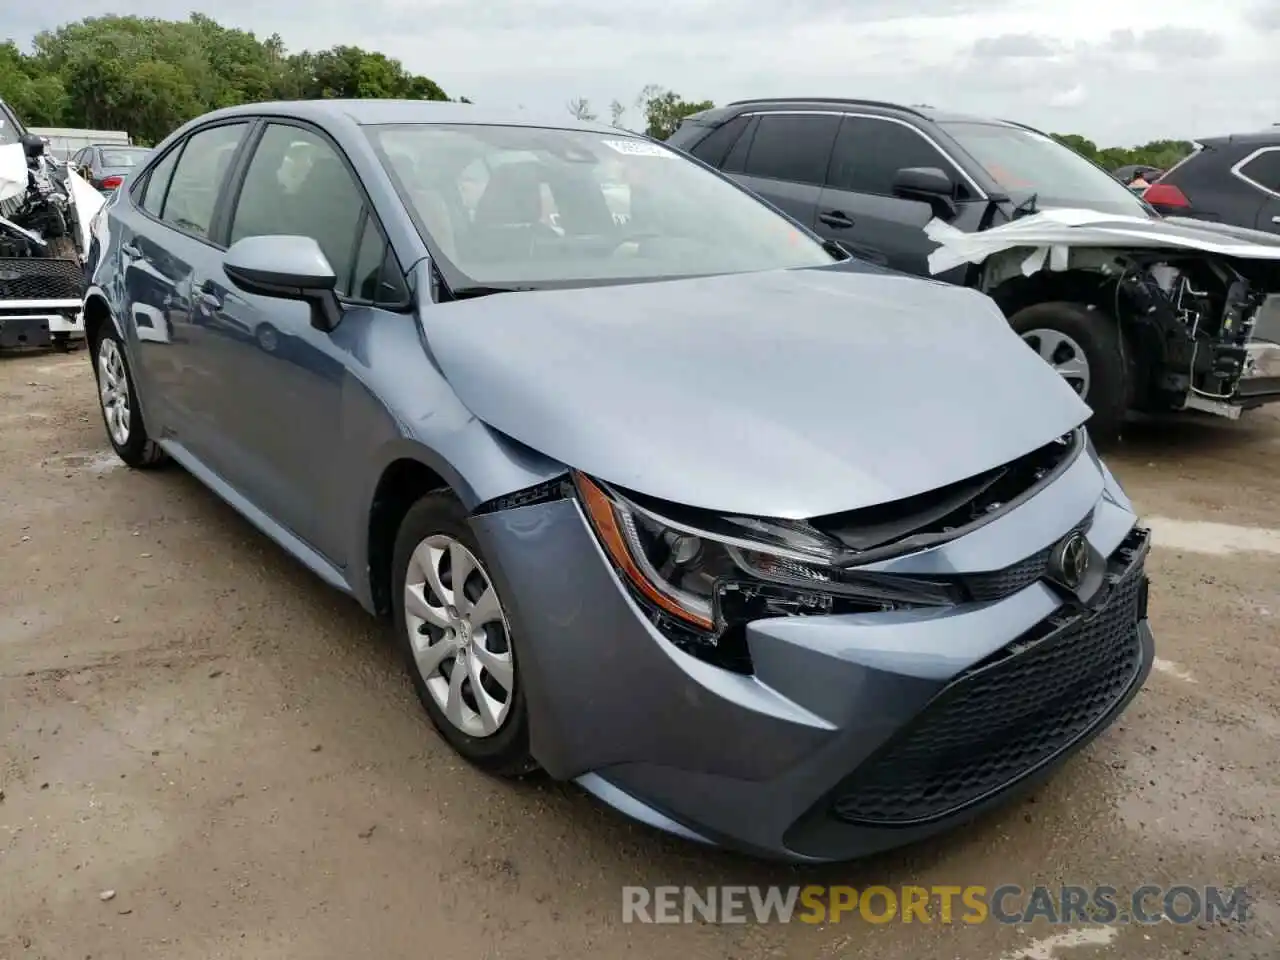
1142 325
1234 179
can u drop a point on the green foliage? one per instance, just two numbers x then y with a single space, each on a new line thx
149 76
1161 154
664 110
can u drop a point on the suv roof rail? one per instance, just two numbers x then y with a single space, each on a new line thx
846 101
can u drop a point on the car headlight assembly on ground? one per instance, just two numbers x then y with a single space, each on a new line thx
701 577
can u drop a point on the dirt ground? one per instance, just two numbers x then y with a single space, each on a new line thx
192 721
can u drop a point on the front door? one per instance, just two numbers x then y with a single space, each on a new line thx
282 381
858 207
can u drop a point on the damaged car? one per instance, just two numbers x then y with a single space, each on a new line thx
45 211
1135 311
632 488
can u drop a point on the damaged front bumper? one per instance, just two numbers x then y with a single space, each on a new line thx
850 733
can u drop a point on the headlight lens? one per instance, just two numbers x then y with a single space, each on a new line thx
701 582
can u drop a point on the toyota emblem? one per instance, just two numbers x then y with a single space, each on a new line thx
1069 563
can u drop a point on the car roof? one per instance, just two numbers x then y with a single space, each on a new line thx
1256 138
923 111
372 112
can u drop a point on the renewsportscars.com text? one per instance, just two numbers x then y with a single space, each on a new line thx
1009 903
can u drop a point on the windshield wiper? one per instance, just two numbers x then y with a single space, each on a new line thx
484 290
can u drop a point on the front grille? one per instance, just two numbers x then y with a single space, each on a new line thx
1007 716
40 278
1002 583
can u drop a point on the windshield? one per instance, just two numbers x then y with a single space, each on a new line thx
528 206
1024 162
120 157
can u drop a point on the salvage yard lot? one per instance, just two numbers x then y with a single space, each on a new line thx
194 722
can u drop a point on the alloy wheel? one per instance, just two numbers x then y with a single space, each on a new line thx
113 391
1062 353
460 635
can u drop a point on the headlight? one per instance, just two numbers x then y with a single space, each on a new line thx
702 579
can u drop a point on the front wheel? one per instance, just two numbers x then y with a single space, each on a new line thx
1086 348
453 631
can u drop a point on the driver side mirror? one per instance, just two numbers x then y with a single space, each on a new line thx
289 268
929 184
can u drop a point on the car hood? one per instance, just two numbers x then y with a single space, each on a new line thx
791 393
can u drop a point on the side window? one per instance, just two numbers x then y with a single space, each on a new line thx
715 146
158 182
870 152
197 178
792 147
377 276
1264 170
297 184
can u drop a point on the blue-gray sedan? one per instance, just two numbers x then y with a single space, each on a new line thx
761 545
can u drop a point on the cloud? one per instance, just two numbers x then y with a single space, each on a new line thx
1014 45
1021 59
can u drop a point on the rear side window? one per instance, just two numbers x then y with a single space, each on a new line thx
158 182
197 179
716 145
792 147
870 152
1264 170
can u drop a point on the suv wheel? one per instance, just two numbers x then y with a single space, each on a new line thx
1084 346
118 400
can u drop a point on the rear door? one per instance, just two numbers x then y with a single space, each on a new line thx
1260 171
857 206
164 237
786 160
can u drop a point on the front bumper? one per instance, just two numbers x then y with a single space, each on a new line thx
855 733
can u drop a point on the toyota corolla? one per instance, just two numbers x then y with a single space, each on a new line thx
659 493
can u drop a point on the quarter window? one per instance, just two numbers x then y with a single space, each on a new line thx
158 182
377 276
870 152
1264 170
715 146
792 147
297 184
197 178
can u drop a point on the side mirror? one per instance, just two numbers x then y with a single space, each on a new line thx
33 146
287 267
929 184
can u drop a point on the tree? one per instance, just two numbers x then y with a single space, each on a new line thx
581 108
664 110
1161 154
148 76
616 112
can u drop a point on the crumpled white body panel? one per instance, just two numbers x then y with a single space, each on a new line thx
13 184
1050 235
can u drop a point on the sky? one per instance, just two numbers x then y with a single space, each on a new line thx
1119 74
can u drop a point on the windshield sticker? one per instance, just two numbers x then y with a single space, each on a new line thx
638 148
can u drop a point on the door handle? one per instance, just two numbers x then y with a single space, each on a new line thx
835 219
129 250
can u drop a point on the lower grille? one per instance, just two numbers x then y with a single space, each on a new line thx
1003 583
1005 717
40 278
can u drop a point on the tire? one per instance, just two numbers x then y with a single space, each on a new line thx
1097 338
435 524
125 428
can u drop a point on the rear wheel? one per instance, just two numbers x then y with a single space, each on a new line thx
453 630
118 400
1085 347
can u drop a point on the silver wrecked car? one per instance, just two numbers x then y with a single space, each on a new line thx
759 544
